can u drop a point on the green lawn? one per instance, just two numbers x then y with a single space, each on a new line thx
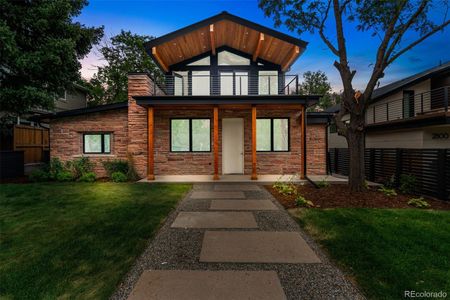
387 251
76 240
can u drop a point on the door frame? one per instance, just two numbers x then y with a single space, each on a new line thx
243 146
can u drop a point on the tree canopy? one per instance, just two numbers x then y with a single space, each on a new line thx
316 83
40 46
124 53
388 21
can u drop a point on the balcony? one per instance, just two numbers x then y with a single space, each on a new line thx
227 84
425 105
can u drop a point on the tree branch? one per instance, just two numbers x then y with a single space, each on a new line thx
322 35
404 28
436 29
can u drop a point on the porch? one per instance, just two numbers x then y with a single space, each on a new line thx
261 179
231 153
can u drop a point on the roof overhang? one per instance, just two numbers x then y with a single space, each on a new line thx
268 100
225 29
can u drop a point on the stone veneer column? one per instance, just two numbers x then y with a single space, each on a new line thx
138 85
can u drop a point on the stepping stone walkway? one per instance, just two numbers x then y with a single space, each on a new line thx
233 241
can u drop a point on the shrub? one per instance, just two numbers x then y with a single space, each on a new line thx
418 202
387 191
64 176
390 182
407 184
323 183
87 177
116 165
285 188
81 166
301 201
131 174
366 184
118 177
55 167
39 175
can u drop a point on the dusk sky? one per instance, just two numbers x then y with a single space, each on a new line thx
156 18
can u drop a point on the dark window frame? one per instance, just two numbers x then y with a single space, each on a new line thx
102 139
272 136
190 135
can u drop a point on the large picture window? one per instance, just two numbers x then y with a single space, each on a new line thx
190 135
272 135
97 143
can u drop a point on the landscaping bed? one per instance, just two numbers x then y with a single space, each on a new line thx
339 195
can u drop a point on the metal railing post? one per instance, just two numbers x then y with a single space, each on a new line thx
421 103
296 84
387 111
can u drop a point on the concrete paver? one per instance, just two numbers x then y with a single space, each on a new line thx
215 220
199 285
218 195
242 205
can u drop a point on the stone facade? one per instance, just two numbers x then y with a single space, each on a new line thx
66 136
129 138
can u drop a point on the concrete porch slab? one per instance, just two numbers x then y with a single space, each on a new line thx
256 247
215 220
242 205
217 195
205 285
262 179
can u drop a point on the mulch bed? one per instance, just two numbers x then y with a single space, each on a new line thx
339 195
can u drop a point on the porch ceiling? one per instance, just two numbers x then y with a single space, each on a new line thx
225 29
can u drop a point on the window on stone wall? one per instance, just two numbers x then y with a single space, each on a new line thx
97 143
272 134
190 135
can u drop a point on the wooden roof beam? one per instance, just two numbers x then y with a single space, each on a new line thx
258 46
159 60
294 54
212 38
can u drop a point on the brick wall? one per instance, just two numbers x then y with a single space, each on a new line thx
139 85
66 136
316 149
169 163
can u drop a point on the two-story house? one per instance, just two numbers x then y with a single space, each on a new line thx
227 105
410 113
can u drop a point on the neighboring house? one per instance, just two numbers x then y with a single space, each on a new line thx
226 106
410 113
26 142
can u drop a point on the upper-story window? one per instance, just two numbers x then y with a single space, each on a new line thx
200 83
206 61
226 58
268 82
234 83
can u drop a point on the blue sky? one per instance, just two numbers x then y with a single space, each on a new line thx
156 18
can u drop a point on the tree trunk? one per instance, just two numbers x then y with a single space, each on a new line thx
355 140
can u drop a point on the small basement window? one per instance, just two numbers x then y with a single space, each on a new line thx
97 143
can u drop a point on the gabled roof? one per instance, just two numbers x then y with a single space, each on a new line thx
398 85
225 29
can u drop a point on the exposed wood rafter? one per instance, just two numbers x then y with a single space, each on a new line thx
258 46
212 38
294 54
160 61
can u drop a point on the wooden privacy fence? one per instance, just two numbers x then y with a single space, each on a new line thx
34 142
430 167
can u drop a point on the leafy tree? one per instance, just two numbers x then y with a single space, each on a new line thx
388 20
316 83
39 48
123 54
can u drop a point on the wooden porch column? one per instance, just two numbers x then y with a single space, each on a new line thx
303 143
254 175
150 145
216 143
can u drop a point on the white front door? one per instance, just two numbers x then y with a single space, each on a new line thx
233 146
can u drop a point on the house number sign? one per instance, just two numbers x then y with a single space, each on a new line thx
440 136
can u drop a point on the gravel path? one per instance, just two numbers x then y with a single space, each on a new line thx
179 249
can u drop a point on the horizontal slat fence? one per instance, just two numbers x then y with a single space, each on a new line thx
431 167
